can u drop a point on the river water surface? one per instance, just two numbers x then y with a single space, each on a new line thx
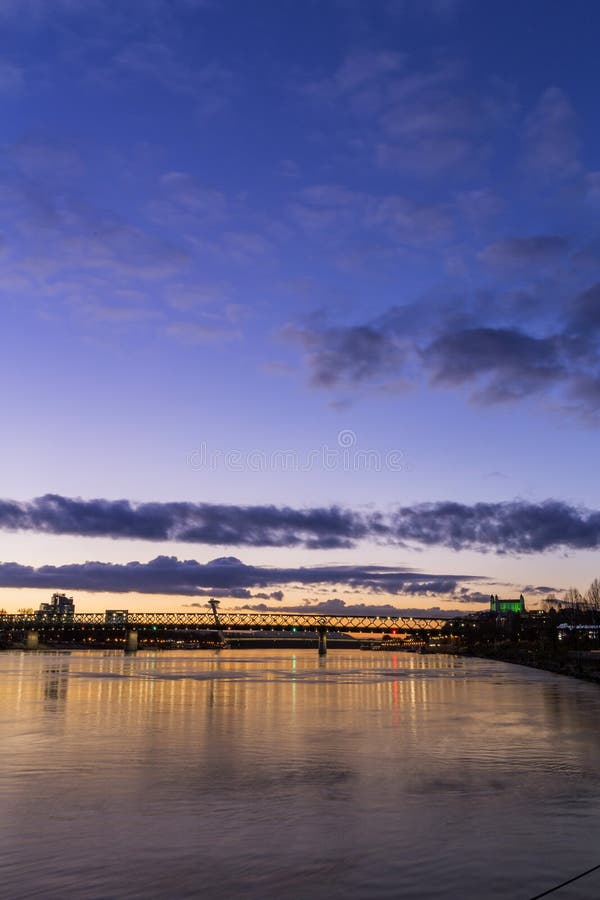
273 774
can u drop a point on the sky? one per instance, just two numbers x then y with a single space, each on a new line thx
300 302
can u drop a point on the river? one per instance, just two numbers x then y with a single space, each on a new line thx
274 774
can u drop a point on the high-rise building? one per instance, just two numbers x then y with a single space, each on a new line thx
60 605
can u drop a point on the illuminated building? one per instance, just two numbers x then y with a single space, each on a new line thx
60 605
501 607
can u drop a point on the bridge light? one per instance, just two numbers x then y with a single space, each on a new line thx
294 628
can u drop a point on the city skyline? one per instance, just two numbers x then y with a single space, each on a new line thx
301 303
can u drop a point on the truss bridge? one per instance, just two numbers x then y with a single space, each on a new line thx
267 621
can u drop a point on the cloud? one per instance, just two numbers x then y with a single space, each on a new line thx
53 229
168 575
531 347
183 194
200 523
478 205
423 121
424 155
551 141
535 250
428 125
585 312
65 256
322 207
202 332
542 590
121 44
584 398
465 595
229 593
510 527
153 60
337 607
362 67
592 186
408 222
235 594
510 364
47 162
360 224
347 354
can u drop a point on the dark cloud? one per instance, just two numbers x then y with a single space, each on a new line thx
274 595
585 312
198 523
449 345
508 527
465 595
229 593
235 594
511 527
226 576
512 364
534 250
588 256
348 354
543 590
337 607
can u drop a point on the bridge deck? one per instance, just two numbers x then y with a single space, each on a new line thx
232 620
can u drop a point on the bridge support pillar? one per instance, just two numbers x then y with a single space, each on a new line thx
131 642
32 640
322 641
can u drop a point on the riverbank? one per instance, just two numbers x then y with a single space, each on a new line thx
584 665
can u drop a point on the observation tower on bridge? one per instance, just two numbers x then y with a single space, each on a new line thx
214 605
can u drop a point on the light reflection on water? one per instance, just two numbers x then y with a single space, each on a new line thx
260 774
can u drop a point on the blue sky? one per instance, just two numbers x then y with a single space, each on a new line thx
314 270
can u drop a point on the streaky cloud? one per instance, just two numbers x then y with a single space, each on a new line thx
225 576
508 527
512 527
196 523
337 607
